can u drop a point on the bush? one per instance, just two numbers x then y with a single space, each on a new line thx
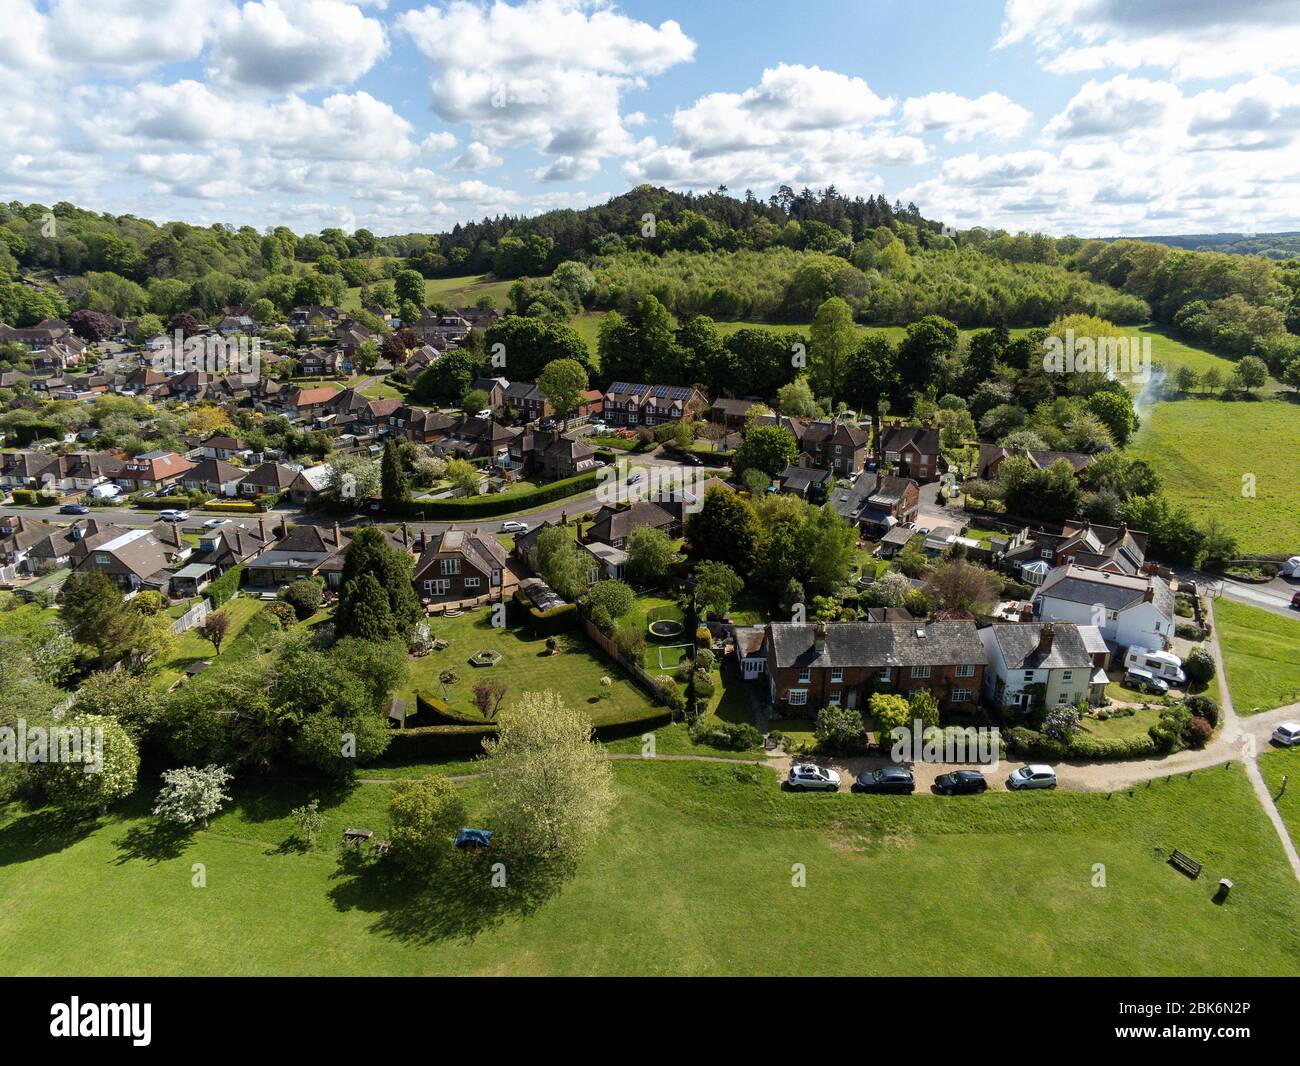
841 731
24 496
730 736
1190 632
283 614
1028 743
1199 667
1198 732
1203 707
602 620
304 596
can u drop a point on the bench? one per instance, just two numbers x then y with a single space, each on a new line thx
353 837
1185 864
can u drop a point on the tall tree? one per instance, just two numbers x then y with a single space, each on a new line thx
832 340
395 487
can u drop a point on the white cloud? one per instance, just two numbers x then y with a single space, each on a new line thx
960 118
438 141
551 73
1120 105
477 156
1191 38
132 34
292 45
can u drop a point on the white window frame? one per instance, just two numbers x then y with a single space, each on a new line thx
961 695
450 566
837 675
964 670
1068 675
472 582
797 697
805 675
1029 677
833 700
920 671
886 675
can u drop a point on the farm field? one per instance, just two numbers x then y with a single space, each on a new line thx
1261 654
1203 448
455 292
692 877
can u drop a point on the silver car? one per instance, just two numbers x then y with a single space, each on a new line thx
1031 777
806 776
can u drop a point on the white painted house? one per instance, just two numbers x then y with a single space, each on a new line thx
1066 660
1128 609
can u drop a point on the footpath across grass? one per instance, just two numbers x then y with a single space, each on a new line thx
1261 652
695 875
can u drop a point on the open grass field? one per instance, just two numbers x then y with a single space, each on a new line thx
1203 448
694 876
454 292
1261 653
524 667
1274 765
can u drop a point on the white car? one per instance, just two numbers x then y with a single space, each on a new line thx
1291 568
805 776
598 427
174 516
216 523
514 527
485 413
1031 777
634 477
1287 734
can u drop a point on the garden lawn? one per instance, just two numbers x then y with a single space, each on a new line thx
1121 726
1203 448
524 667
1261 653
693 876
189 647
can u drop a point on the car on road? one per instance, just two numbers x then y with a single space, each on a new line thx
1295 600
634 477
174 516
74 508
805 777
960 783
513 526
1287 734
1036 776
217 523
893 779
693 459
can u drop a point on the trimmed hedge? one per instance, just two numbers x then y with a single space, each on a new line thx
220 591
1028 743
237 506
490 506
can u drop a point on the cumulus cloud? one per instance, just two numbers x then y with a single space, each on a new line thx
960 118
550 73
477 156
1120 105
1191 38
293 45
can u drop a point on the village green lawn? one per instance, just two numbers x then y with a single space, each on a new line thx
525 667
1203 449
1275 764
1261 653
693 876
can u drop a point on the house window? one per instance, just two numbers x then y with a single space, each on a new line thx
1046 553
1029 675
805 675
471 582
885 675
920 671
798 697
833 700
1063 698
837 674
451 566
961 695
1068 675
101 559
966 670
437 587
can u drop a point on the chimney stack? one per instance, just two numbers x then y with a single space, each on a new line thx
176 534
261 527
338 540
1046 637
819 642
1149 594
406 536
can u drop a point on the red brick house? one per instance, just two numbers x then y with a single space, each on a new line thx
843 663
636 404
912 452
460 564
152 470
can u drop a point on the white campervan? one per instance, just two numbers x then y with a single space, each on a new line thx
1162 664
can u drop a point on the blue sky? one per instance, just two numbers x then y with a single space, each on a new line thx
1085 116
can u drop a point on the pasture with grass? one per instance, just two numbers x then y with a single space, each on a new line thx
1261 656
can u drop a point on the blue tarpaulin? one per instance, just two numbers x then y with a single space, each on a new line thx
473 838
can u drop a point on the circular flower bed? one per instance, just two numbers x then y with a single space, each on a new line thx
485 658
665 628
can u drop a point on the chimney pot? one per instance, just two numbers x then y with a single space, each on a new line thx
337 539
1046 637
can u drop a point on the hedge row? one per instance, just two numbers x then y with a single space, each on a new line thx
1031 744
489 506
225 586
238 506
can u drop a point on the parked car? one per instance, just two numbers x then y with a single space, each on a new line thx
805 776
897 779
174 516
1145 681
1295 600
1287 734
1031 777
1291 568
74 508
598 427
634 477
216 523
513 526
485 413
960 782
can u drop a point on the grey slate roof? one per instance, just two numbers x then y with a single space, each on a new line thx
878 644
1020 647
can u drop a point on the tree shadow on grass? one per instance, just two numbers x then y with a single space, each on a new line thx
456 902
153 842
42 833
272 800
